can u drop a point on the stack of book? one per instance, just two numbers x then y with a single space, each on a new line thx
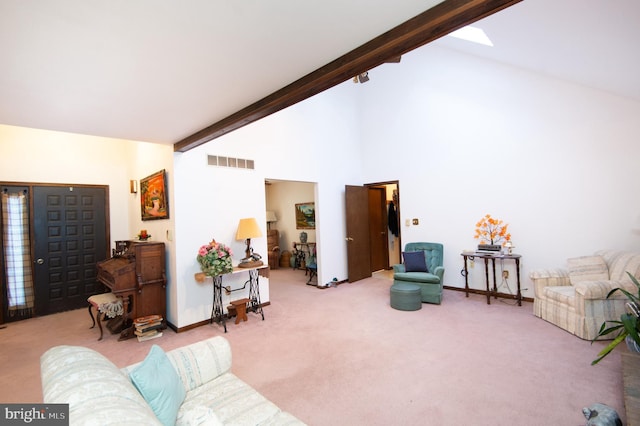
149 327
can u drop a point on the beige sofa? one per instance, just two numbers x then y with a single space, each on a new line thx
575 298
98 393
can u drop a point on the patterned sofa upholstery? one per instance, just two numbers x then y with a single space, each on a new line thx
575 298
99 393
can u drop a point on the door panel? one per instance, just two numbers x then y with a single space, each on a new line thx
358 246
378 229
70 231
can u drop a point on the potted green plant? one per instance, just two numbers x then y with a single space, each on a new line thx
627 328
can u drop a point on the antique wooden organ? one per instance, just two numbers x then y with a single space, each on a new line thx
137 273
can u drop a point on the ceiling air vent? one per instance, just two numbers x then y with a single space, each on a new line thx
238 163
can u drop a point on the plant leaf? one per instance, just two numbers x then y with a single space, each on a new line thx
609 348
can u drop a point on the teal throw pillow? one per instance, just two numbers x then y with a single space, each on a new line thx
159 384
414 261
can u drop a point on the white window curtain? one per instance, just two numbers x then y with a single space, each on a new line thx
17 253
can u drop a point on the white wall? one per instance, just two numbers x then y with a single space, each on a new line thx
314 141
467 137
147 159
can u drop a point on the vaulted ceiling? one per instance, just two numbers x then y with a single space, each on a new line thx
183 72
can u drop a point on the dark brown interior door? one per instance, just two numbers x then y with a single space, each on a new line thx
378 229
358 246
71 236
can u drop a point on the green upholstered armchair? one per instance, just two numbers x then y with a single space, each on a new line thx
430 282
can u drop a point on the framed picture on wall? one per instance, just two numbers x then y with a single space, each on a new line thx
154 200
305 216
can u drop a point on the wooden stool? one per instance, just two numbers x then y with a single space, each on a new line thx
241 309
106 304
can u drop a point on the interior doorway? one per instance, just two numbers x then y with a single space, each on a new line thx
384 224
373 233
283 199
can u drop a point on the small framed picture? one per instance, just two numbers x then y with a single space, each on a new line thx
154 200
305 216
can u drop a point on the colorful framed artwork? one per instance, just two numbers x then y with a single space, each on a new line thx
154 199
305 216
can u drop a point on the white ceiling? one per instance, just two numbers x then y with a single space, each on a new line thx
589 42
160 70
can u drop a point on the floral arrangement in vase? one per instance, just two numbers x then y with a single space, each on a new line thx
144 235
492 231
215 259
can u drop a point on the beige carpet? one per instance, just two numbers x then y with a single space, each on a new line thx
343 356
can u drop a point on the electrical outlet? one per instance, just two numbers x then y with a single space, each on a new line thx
416 222
505 274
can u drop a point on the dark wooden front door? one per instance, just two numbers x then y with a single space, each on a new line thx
358 246
71 236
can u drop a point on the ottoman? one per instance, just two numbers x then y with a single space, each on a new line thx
406 297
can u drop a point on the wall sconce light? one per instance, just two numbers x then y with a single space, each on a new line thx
133 186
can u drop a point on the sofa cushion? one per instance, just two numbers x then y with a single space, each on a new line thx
159 384
232 400
414 261
417 277
565 294
93 387
621 262
587 268
198 416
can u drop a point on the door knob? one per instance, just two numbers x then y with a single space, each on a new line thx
349 239
40 261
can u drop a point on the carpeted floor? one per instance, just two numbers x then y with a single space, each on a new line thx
344 356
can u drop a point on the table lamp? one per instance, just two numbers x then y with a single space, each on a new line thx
509 246
248 228
271 217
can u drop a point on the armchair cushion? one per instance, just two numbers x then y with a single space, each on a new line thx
414 261
417 277
587 268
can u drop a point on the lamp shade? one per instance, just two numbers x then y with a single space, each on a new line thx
271 216
248 228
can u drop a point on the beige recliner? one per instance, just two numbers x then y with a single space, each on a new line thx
575 298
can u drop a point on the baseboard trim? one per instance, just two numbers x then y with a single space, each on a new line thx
205 322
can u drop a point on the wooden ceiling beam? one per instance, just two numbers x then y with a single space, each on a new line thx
430 25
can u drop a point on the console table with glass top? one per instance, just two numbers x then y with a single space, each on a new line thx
472 255
217 311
